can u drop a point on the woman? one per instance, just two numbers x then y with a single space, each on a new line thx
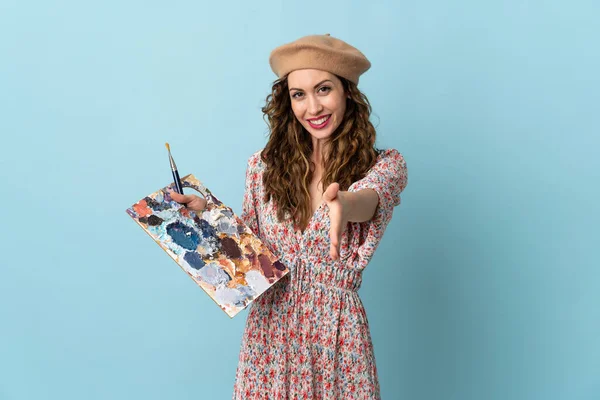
320 196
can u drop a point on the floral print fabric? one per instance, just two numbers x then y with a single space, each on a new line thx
308 336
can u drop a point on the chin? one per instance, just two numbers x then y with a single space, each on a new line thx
320 133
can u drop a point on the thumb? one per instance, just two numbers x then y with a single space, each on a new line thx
331 192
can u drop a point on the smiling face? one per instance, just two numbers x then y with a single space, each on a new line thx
318 101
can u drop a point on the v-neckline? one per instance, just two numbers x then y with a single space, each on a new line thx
310 221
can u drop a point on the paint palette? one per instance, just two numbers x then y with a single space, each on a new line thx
213 246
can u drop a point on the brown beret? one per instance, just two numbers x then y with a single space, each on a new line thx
322 52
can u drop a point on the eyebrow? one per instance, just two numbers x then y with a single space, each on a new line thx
316 86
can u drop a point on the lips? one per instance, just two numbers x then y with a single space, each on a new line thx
319 122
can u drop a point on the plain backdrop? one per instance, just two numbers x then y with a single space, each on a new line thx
486 284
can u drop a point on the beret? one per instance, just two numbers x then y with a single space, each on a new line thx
322 52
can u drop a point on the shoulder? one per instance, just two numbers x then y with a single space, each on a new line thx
389 173
390 159
255 162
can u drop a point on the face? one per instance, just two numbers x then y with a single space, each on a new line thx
318 101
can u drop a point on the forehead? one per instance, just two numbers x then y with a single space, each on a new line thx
308 78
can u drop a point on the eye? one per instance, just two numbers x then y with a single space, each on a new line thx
296 95
324 89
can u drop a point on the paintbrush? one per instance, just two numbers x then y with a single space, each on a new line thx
178 186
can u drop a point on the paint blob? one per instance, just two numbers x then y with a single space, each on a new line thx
230 248
154 220
194 260
183 235
213 275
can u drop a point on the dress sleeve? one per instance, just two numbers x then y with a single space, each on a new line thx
249 206
388 177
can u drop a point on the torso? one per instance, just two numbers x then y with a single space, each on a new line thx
315 190
316 193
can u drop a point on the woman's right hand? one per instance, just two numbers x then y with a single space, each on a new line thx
191 201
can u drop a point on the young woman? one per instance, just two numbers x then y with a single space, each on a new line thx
320 196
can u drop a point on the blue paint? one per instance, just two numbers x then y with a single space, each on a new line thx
210 241
194 260
227 212
207 229
183 235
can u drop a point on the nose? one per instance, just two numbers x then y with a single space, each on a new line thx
314 106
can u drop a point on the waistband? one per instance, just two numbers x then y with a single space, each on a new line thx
331 276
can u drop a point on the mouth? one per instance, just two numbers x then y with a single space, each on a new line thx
319 122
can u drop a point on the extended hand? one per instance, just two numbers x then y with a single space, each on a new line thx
338 211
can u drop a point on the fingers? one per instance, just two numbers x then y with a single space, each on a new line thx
198 204
331 193
335 233
334 248
334 252
181 198
191 201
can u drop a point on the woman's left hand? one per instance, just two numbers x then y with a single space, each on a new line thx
337 201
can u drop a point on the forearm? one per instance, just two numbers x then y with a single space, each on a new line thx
361 205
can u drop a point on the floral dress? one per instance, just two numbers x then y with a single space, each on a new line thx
308 337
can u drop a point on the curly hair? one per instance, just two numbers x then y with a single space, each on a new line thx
289 169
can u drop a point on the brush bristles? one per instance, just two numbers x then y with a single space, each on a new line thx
168 147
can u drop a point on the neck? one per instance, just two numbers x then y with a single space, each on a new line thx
319 153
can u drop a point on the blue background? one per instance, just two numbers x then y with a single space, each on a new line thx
487 282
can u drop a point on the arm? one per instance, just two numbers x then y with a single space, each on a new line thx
369 200
347 207
249 215
360 205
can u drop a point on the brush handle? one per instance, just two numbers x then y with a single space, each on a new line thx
177 180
